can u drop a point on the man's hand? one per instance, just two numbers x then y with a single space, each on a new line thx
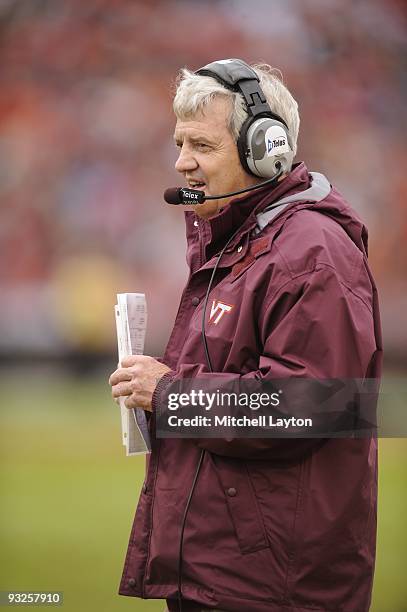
137 378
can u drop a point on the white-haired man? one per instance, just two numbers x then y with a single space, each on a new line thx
244 523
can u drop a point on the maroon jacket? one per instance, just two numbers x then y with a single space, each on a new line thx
274 525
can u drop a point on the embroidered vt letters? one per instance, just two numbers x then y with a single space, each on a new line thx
218 309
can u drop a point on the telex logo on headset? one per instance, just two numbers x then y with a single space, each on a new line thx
274 144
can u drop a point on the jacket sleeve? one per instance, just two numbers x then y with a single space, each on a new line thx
313 327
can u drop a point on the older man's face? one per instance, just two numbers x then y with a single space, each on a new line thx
208 157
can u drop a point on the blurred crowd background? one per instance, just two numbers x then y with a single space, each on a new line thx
86 150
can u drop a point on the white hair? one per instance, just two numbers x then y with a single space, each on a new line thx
195 91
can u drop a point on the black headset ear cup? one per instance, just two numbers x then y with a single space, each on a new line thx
242 145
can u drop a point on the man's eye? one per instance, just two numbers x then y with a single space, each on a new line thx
201 145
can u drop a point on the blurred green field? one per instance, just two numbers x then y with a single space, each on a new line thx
69 493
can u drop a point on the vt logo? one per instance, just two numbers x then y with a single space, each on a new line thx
218 309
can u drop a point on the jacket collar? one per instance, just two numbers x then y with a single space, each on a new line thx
241 212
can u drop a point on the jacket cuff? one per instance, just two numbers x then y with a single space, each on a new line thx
161 387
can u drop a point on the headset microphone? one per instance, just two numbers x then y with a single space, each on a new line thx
181 195
186 197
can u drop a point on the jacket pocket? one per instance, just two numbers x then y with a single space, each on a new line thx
242 504
279 492
141 524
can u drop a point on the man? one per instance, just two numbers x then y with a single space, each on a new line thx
257 524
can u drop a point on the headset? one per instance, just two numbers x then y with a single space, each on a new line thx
264 141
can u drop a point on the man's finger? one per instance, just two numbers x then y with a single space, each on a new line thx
137 402
130 360
143 360
120 375
122 389
129 402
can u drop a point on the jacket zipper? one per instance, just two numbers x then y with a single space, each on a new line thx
201 246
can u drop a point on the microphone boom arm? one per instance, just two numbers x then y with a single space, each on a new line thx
188 197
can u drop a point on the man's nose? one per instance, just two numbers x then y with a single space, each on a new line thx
185 161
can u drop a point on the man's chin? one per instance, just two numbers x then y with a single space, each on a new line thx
206 210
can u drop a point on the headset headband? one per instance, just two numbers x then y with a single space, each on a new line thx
238 76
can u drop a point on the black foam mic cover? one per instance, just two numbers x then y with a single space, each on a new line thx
172 195
181 195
